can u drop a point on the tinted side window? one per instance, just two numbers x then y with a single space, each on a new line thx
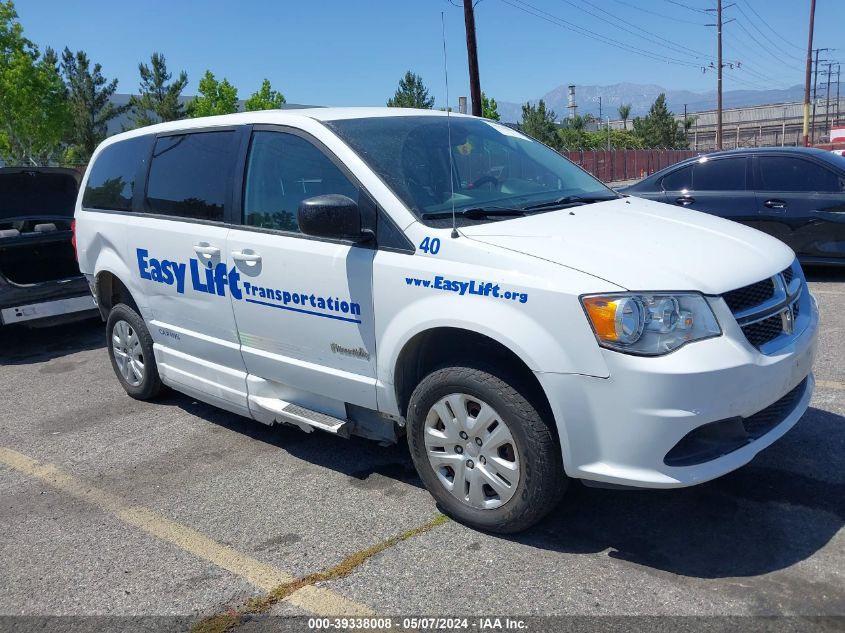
726 174
784 173
111 183
678 180
282 171
189 175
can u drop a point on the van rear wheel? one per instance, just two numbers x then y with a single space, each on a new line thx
131 352
482 449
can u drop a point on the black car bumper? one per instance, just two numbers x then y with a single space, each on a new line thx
47 302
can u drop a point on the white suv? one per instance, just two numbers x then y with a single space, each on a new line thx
389 272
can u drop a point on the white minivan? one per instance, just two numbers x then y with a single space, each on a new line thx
387 272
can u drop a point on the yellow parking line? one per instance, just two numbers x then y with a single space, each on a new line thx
827 292
314 599
831 384
325 602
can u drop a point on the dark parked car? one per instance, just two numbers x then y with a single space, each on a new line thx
40 282
795 194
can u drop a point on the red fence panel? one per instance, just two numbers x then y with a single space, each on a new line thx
617 165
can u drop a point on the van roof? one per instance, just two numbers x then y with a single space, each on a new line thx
286 116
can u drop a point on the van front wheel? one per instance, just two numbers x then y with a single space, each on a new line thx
131 352
483 450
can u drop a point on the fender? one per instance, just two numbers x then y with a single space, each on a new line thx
541 351
110 262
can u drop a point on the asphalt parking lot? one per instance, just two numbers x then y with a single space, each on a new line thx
116 507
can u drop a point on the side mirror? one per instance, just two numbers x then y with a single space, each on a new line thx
333 216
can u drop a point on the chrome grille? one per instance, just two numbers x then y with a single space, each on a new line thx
767 310
763 331
749 296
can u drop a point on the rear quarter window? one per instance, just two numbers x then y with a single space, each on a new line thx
678 180
722 174
111 182
190 173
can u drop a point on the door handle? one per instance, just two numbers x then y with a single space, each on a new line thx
775 204
248 256
684 200
204 249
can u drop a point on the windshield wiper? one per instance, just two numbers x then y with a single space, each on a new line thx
476 213
566 201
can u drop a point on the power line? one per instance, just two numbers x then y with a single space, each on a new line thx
649 35
754 83
759 30
525 7
660 15
754 67
778 35
686 6
776 55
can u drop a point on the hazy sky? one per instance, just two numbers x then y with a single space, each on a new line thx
353 52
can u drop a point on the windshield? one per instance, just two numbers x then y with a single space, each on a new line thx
493 166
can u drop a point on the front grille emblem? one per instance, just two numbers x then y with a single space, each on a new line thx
769 323
787 318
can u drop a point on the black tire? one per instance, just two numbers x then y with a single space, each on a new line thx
150 384
542 480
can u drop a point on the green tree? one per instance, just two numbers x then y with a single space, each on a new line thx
89 95
539 123
624 114
623 139
265 98
33 105
578 122
489 108
411 93
572 138
215 97
159 99
659 128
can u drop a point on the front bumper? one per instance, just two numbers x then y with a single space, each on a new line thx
619 429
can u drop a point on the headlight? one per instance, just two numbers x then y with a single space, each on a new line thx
650 324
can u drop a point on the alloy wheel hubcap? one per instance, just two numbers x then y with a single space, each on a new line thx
128 355
472 451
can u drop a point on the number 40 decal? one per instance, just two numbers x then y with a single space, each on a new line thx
430 245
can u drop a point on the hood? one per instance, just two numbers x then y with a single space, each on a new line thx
37 192
643 245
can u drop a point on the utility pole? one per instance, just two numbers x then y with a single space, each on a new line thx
472 58
809 72
838 69
600 117
686 136
695 136
815 82
719 67
719 75
783 130
827 97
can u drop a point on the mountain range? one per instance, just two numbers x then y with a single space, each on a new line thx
641 96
